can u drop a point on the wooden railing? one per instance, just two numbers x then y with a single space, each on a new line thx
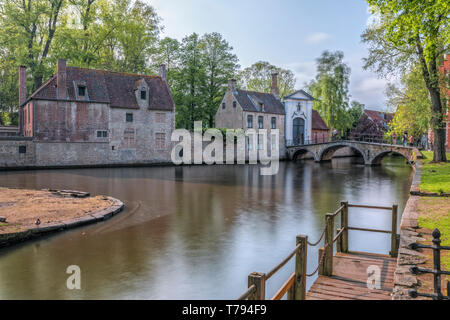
295 285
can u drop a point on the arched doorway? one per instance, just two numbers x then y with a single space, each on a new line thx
298 133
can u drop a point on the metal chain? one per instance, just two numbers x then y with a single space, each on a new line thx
321 237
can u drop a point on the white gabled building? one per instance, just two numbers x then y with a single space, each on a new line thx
299 116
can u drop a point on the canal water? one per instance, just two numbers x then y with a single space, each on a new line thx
196 232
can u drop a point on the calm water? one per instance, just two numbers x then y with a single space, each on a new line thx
196 232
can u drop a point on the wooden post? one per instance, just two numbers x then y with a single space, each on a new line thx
300 268
394 247
344 224
321 262
259 280
329 235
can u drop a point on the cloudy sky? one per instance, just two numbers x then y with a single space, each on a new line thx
287 33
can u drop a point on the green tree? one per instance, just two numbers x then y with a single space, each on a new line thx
168 53
258 77
412 104
189 82
28 29
220 64
330 88
407 32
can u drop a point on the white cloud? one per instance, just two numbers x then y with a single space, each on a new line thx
318 38
304 72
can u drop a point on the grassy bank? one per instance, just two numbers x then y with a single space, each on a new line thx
435 176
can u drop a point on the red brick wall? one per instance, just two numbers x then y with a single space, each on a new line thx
319 136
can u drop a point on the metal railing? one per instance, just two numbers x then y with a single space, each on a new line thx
437 272
358 138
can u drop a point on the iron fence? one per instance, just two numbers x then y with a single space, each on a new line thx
437 272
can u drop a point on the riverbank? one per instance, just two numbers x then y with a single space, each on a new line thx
26 214
427 209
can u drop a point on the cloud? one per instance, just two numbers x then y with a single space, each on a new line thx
318 38
304 72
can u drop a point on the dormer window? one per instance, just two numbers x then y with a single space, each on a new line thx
143 95
81 91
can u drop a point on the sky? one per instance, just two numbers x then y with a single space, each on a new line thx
287 33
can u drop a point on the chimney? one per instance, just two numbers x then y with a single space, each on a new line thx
162 72
22 84
232 85
61 77
274 89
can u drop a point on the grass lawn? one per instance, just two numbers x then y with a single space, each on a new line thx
435 213
435 176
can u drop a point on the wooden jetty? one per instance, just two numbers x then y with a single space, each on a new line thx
346 275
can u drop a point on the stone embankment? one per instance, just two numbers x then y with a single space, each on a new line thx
27 214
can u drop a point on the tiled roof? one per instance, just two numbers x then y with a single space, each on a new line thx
250 101
115 88
317 122
379 116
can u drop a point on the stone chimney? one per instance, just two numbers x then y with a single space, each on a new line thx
274 88
162 72
232 85
22 84
61 76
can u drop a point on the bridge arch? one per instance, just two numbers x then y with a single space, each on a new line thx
376 160
327 153
301 153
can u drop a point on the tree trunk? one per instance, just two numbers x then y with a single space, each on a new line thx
438 128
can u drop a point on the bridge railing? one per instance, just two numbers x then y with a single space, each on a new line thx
295 285
359 138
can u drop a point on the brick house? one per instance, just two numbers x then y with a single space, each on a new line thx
319 130
372 125
445 71
242 109
94 117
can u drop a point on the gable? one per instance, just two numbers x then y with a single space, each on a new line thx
300 95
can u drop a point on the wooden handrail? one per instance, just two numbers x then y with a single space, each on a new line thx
247 293
286 286
369 230
283 263
369 207
338 211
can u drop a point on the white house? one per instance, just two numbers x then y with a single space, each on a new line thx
299 117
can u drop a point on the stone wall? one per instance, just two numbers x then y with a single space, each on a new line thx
16 152
404 280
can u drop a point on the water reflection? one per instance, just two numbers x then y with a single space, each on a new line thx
195 232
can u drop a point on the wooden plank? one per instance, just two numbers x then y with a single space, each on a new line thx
349 279
286 286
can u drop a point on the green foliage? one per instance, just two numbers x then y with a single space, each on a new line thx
204 65
405 33
118 35
412 105
258 77
330 89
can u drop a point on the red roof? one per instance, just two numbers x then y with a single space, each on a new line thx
379 117
115 88
317 122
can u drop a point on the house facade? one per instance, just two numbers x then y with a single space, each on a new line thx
242 109
320 132
372 126
299 117
94 117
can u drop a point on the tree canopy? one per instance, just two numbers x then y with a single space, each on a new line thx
258 77
406 33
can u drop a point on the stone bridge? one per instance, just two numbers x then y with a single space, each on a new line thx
372 153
